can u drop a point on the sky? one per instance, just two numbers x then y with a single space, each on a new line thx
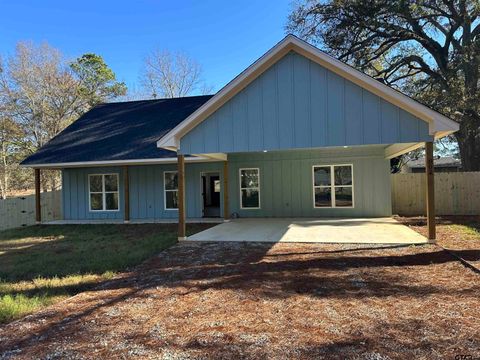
225 36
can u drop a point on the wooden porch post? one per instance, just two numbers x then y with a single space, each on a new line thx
429 173
226 210
181 198
38 207
126 187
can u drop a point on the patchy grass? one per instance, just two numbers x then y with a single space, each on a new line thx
41 265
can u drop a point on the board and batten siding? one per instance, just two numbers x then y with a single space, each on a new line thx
286 184
76 192
146 191
298 104
286 188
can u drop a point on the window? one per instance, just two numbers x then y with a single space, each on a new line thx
250 188
333 186
103 192
170 183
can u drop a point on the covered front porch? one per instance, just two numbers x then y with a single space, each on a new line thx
289 205
307 230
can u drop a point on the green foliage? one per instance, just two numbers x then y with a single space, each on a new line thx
97 82
428 49
40 94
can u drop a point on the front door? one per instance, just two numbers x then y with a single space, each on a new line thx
215 190
211 194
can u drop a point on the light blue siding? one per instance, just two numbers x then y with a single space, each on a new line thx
146 191
286 185
75 194
299 104
287 188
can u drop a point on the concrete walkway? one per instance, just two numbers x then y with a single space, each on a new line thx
325 230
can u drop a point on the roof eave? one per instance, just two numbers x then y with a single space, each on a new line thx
79 164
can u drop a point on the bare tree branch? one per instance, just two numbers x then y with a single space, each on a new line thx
167 74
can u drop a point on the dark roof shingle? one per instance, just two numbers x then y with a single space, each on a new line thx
118 131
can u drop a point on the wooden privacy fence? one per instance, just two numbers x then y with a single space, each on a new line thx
455 193
20 211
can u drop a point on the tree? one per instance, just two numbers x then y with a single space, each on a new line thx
42 93
170 75
427 48
10 145
96 81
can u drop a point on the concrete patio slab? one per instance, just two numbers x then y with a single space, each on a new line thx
325 230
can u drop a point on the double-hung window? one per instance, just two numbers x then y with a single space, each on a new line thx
250 188
103 192
170 183
333 186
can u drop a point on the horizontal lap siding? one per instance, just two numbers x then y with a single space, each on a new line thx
146 191
287 189
300 104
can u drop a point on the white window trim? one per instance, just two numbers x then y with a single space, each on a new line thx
332 187
165 190
103 192
258 188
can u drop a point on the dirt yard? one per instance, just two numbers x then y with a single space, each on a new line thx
240 300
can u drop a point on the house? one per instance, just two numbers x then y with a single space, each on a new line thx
440 164
297 134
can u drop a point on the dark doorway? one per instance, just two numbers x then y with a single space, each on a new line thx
211 194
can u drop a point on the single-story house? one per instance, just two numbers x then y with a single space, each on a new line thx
296 134
440 164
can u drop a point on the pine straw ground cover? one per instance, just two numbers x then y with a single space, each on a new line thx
459 234
251 300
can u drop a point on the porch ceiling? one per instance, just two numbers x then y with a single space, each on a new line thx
320 230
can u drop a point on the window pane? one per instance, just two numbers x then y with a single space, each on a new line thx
249 178
216 186
96 202
96 183
343 175
343 197
250 198
171 181
111 201
111 183
323 197
321 175
171 199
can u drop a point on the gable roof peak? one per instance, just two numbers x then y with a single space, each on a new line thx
439 125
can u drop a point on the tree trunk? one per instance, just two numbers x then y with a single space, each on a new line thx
4 181
468 138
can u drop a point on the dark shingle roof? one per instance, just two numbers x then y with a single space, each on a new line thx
118 131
